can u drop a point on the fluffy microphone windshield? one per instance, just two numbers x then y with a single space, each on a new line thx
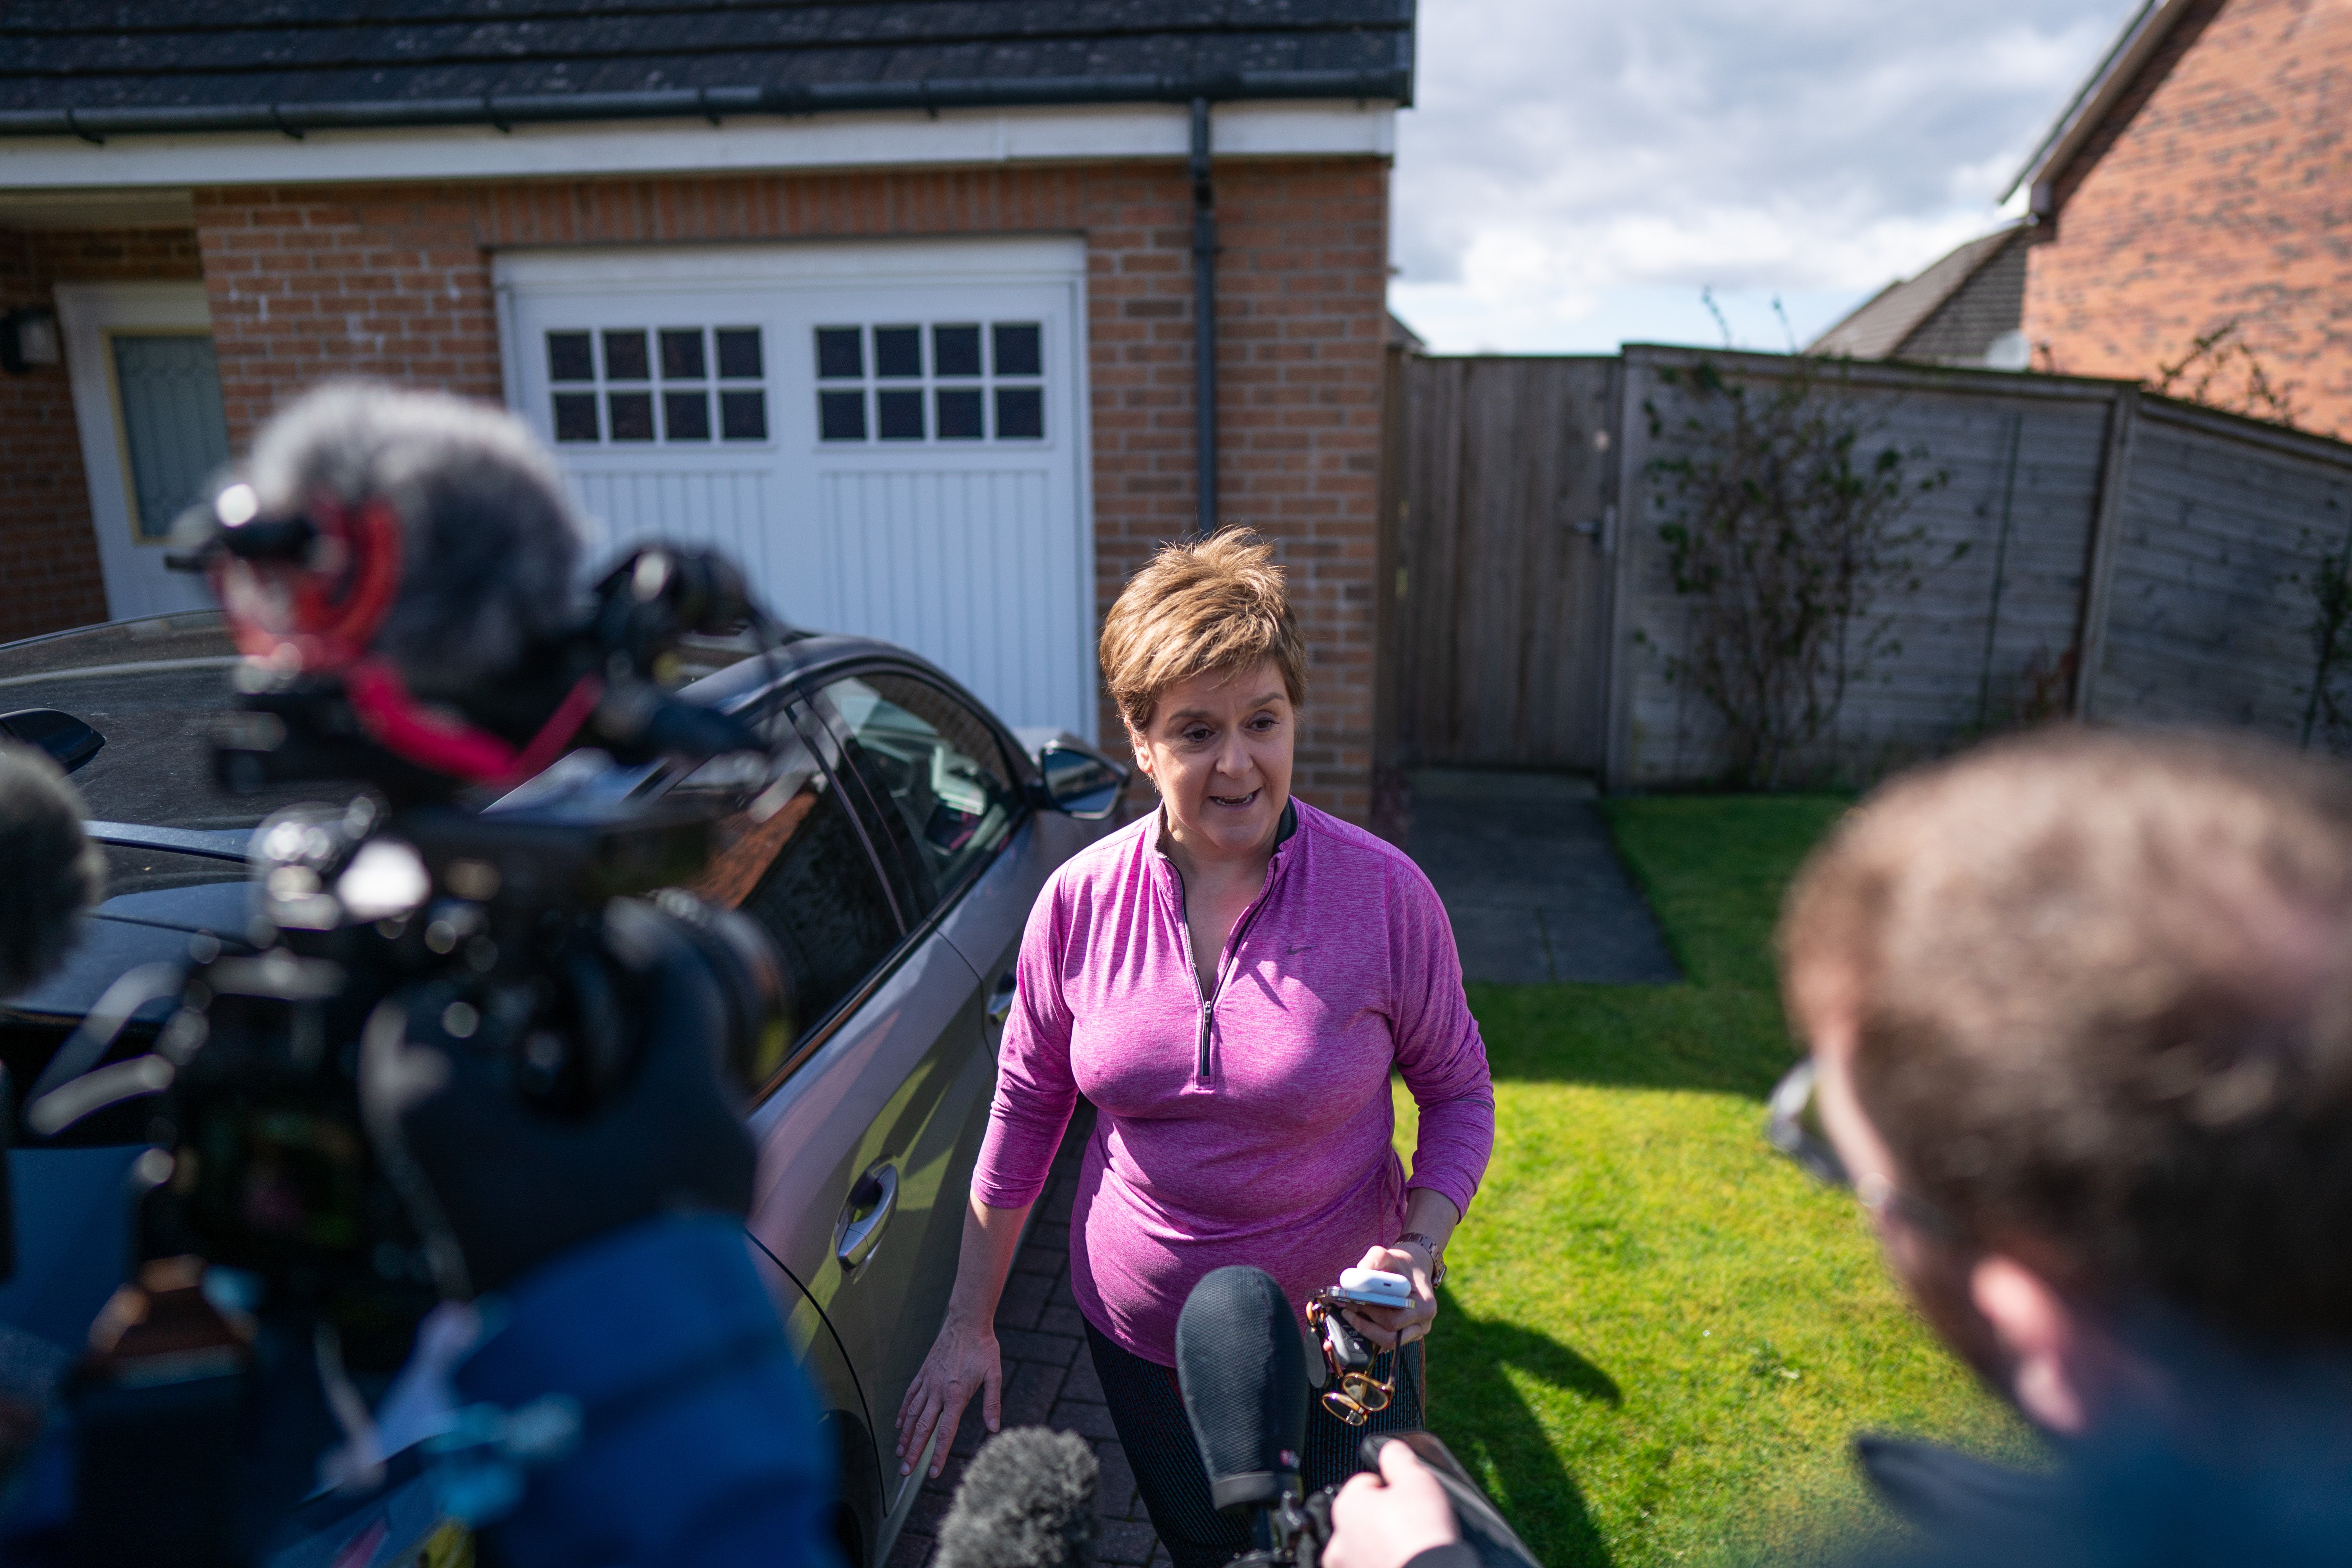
489 546
51 871
1027 1500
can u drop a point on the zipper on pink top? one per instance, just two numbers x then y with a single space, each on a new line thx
1224 958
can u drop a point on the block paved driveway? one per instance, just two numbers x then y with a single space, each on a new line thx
1049 1381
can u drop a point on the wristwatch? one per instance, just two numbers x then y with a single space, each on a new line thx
1436 1258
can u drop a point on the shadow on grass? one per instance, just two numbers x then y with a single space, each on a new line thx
1475 1407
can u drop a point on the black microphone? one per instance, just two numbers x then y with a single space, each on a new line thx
51 869
1243 1368
1026 1501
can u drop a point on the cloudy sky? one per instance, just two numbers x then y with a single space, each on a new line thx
1577 171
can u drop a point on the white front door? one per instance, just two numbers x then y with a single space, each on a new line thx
147 398
890 437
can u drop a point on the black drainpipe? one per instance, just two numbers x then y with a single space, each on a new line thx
1204 320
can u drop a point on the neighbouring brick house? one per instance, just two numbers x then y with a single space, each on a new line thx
894 301
2201 178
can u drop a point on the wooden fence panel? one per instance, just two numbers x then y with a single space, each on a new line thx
1525 643
2000 569
1501 623
2209 619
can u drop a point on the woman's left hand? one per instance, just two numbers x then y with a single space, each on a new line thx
1390 1327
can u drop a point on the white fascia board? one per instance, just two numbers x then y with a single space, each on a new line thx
600 268
751 145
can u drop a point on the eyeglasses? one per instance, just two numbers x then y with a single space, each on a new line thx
1355 1396
1792 1122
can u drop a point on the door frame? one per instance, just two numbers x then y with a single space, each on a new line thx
88 315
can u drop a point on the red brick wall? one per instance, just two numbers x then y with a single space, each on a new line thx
393 282
2219 192
49 576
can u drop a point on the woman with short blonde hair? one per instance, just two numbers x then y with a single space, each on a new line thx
1230 981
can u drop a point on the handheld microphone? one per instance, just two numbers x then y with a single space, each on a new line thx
1027 1500
1243 1370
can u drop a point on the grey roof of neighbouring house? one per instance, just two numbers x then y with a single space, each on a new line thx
1881 325
96 67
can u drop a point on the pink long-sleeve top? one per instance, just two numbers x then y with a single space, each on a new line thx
1253 1125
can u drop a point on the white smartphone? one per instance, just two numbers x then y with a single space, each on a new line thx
1374 1288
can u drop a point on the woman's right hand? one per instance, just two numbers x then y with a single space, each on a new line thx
963 1362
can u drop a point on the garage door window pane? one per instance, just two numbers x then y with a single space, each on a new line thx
1017 349
686 416
840 354
901 415
631 414
570 357
681 353
955 351
743 415
841 416
1019 414
959 415
898 353
575 417
625 357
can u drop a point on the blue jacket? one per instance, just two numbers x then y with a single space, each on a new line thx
688 1434
698 1443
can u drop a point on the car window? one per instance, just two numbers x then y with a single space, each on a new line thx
934 769
795 860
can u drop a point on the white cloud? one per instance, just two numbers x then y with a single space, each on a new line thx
1572 164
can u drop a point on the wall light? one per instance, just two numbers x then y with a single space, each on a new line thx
28 336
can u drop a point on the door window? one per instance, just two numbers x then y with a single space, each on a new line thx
174 433
795 860
675 385
944 383
944 795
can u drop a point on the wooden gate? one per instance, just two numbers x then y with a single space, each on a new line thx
1501 496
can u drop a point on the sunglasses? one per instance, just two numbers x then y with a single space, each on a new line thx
1792 1124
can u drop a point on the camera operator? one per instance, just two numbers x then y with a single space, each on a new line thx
608 1381
2079 1010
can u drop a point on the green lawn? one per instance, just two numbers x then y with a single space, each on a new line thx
1658 1334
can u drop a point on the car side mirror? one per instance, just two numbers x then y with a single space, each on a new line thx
68 741
1079 782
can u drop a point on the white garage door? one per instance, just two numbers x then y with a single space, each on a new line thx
890 437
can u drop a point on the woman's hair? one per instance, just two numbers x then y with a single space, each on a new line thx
1213 604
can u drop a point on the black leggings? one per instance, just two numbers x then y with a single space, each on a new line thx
1148 1408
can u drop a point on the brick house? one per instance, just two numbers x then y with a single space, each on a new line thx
899 300
2199 179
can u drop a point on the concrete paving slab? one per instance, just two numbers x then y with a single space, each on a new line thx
1532 881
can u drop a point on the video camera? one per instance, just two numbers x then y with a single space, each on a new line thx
483 928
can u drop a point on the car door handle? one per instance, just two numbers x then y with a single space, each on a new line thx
871 1203
999 1001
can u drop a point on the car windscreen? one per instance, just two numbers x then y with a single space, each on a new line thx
154 688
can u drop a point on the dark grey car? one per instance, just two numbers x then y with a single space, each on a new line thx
893 857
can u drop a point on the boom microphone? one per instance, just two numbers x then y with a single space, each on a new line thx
1242 1369
1027 1500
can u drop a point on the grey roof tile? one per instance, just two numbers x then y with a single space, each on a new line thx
296 54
